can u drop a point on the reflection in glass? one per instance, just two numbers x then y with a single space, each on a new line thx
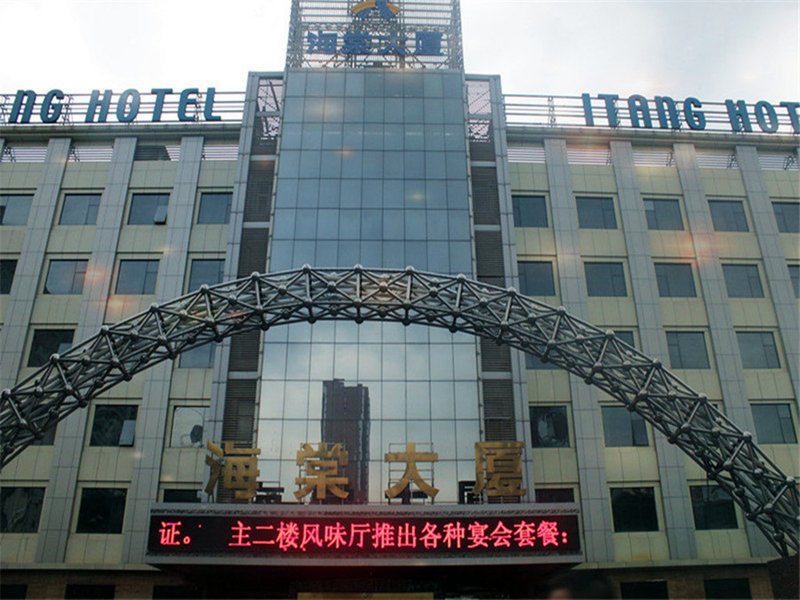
187 426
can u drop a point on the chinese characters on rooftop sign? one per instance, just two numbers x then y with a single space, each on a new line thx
375 33
376 535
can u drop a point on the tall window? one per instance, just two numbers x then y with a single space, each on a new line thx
114 425
215 208
605 279
774 423
20 508
758 350
728 215
201 357
794 274
558 495
65 277
596 213
102 510
536 278
644 590
8 267
788 216
530 211
663 214
549 426
742 281
634 509
623 428
187 426
675 280
80 209
47 342
14 209
180 495
89 591
712 508
148 209
627 337
137 277
687 350
206 272
534 362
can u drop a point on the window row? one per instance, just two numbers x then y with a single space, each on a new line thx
675 280
145 209
662 214
134 276
102 510
625 429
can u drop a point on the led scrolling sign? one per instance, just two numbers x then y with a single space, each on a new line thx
373 536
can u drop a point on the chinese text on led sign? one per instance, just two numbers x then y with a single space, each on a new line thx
375 536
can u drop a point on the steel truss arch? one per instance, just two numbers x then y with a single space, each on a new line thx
116 353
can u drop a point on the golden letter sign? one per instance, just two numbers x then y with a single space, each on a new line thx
498 468
322 471
410 457
238 468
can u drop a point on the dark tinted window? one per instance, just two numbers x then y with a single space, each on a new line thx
788 216
147 209
114 425
536 279
774 424
14 209
712 508
549 426
728 215
20 508
181 496
634 509
201 357
555 495
175 592
663 215
7 269
758 350
742 281
794 273
65 277
675 280
626 336
623 428
75 591
535 363
530 211
596 213
215 208
80 209
102 510
208 272
605 279
137 277
687 350
727 589
643 590
13 591
47 342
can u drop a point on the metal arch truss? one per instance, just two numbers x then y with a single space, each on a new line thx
729 456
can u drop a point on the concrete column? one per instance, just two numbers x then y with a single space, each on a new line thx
152 416
678 518
586 418
19 305
775 266
724 345
60 493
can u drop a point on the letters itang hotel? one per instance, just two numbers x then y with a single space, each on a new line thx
372 328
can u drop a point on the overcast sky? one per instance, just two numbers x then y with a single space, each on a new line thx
748 49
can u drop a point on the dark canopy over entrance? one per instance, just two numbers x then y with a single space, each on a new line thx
727 454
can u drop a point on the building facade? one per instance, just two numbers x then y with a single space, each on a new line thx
375 148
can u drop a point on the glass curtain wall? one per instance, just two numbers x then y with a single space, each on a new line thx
372 170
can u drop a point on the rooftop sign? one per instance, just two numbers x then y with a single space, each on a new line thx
130 106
